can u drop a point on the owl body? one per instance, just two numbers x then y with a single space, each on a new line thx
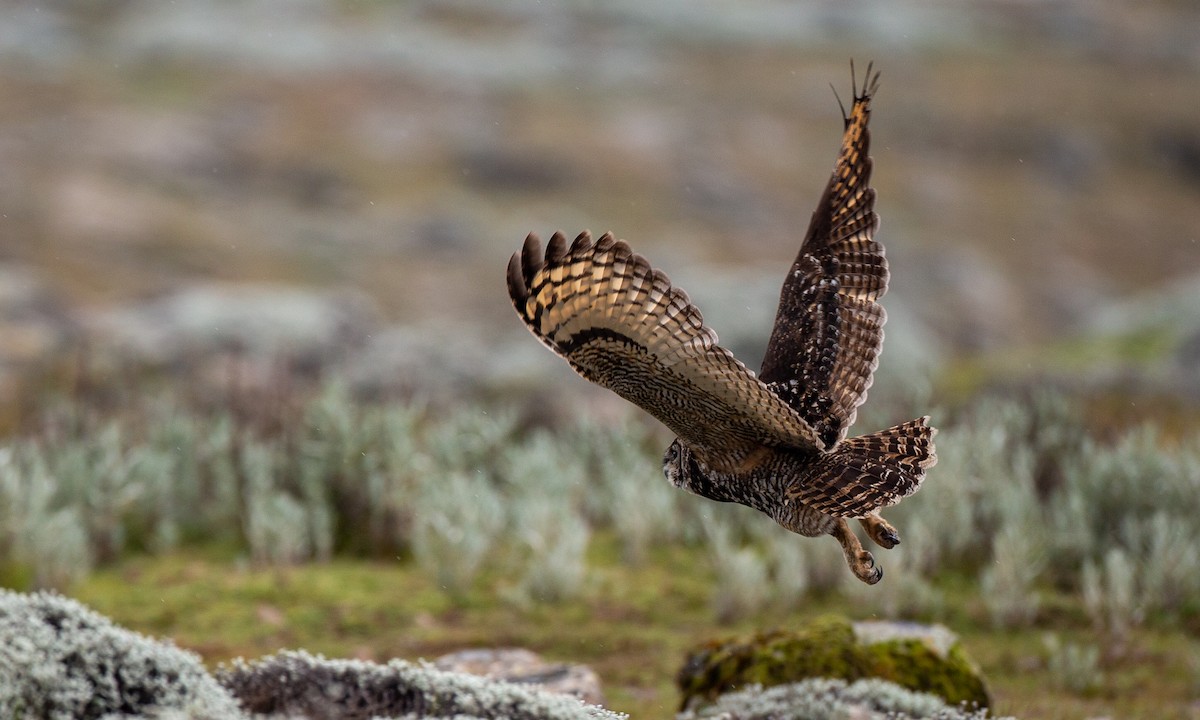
775 441
764 486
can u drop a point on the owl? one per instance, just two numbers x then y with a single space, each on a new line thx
775 441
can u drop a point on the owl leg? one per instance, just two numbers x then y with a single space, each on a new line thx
861 562
881 531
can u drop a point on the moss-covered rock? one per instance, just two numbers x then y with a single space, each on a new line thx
917 657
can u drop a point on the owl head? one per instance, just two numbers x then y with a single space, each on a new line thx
683 470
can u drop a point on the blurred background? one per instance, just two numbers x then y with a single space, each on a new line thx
228 228
341 183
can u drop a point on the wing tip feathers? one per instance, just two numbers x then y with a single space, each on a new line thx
531 258
518 289
582 243
556 249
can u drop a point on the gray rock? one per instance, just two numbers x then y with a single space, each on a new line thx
517 665
299 685
61 659
823 698
938 638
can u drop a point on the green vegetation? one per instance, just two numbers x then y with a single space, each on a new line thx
382 530
634 625
828 648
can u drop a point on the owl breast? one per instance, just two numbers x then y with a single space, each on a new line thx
761 481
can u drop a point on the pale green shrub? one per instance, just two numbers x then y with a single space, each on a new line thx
824 563
742 586
1170 566
39 528
457 526
1008 584
469 438
337 475
1111 597
790 571
626 487
554 541
96 470
282 525
544 484
1073 667
364 460
904 592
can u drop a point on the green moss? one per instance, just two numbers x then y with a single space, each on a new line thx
828 648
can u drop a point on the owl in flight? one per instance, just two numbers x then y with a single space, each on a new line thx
776 441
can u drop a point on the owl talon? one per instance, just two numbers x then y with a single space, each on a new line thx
866 569
886 539
881 531
861 562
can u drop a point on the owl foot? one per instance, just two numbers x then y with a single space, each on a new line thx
861 562
880 531
865 568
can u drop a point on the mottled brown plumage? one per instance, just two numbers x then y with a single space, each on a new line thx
775 442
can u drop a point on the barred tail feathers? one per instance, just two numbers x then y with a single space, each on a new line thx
869 472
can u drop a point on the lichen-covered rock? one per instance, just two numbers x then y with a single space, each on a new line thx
298 685
821 699
58 659
912 656
524 667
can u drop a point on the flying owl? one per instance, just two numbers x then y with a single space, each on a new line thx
777 441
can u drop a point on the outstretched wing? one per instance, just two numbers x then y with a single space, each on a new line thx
829 326
622 325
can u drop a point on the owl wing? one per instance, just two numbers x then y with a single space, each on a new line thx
829 326
622 325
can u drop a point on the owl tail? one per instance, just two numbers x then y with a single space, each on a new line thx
866 473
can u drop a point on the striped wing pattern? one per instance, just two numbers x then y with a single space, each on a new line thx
828 331
622 325
866 473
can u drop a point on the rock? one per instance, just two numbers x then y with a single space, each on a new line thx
917 657
821 698
517 665
299 685
306 327
938 638
60 659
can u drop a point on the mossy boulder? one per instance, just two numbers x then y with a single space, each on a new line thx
918 657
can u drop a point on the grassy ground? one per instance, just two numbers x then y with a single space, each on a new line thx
632 625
